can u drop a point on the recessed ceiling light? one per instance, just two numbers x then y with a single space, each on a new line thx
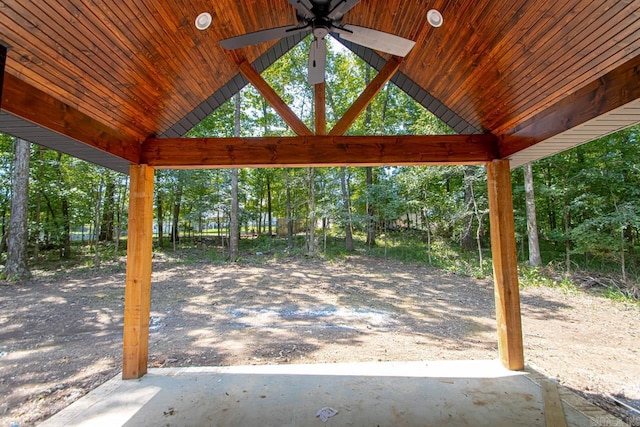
203 21
435 18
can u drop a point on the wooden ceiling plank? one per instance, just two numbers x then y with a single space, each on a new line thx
485 24
79 54
273 99
615 89
50 76
168 74
516 44
318 151
365 98
32 104
555 70
496 71
521 75
576 78
166 55
599 47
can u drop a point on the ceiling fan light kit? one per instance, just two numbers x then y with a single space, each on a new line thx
203 21
322 18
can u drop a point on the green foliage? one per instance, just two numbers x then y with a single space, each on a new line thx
587 199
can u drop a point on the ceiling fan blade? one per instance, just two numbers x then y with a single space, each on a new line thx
261 36
303 7
374 39
341 7
317 61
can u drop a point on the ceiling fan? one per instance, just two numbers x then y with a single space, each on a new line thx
323 17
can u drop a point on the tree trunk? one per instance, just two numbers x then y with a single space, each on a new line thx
98 231
289 219
175 233
567 241
38 213
532 223
160 221
269 206
371 226
16 268
108 212
467 240
234 240
66 218
348 239
478 216
311 244
119 214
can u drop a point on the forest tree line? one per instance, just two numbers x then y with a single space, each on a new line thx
587 201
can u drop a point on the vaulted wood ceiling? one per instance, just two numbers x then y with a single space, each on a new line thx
111 78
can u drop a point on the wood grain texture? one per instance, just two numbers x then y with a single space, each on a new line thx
137 294
273 99
141 67
553 411
25 101
505 266
319 151
373 88
320 108
613 90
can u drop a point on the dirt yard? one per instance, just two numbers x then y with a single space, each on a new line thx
61 336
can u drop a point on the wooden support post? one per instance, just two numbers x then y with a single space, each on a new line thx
505 268
137 295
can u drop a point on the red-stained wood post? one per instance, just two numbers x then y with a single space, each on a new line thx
505 267
137 294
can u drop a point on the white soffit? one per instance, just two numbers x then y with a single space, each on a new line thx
608 123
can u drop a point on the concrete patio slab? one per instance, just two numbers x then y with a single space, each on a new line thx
452 393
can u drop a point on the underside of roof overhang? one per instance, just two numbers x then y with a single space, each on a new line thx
119 83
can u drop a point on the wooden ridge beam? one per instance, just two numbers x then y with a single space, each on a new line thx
32 104
613 90
273 98
365 98
319 151
319 99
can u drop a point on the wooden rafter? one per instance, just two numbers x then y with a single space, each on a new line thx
273 98
611 91
320 108
23 100
318 151
365 98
